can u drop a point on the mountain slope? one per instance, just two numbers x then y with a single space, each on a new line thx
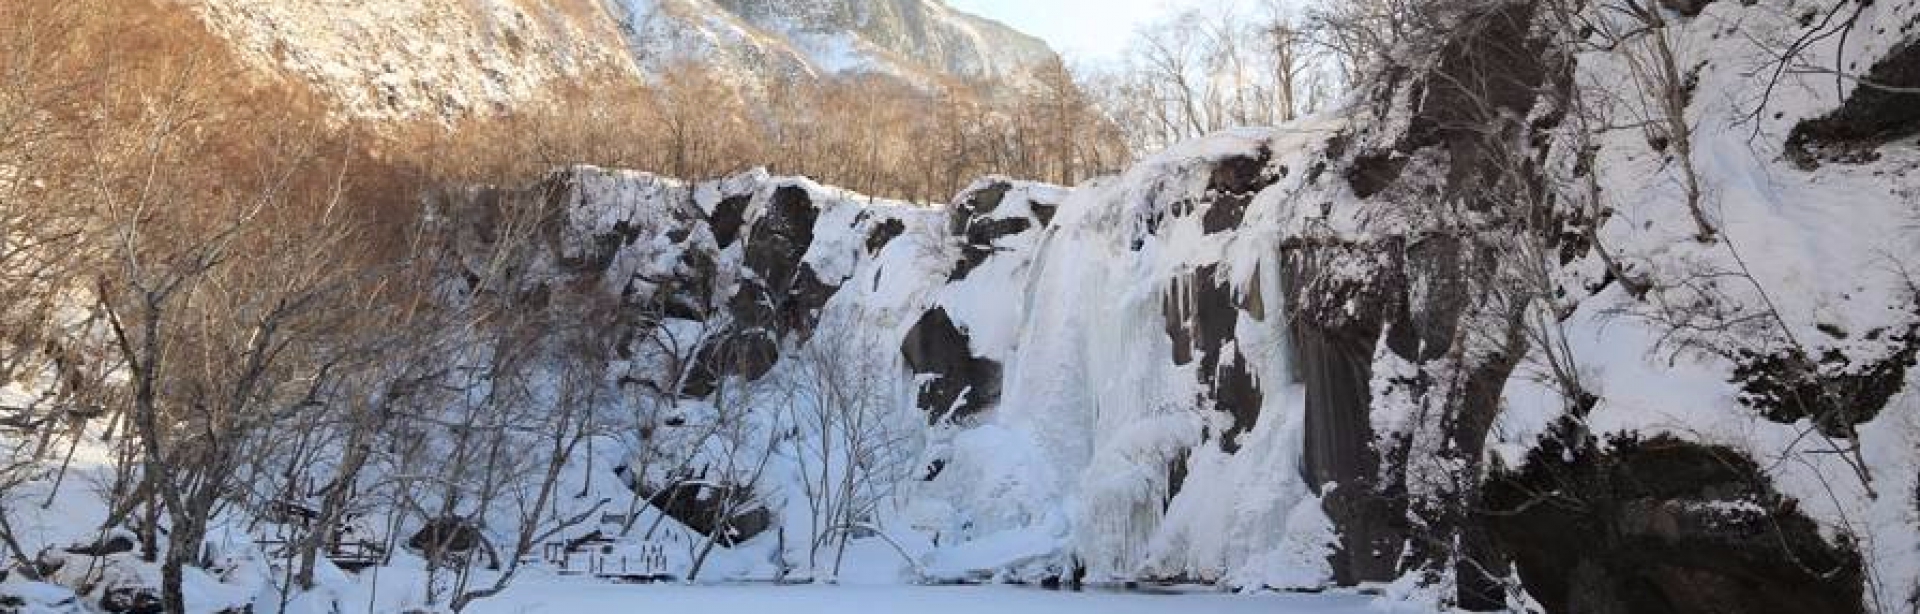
406 59
919 40
402 59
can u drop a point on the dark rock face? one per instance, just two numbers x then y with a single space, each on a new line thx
1871 116
960 385
1460 97
728 217
1343 326
1176 479
884 233
1834 392
784 296
1044 211
689 295
704 509
981 202
1232 186
980 231
778 297
607 246
1371 174
1202 313
793 290
749 354
1352 306
808 296
1333 353
781 237
1663 526
979 246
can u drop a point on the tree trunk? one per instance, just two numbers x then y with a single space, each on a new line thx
172 579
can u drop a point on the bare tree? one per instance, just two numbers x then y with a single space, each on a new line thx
572 406
851 448
1363 35
1665 91
736 447
1199 72
218 297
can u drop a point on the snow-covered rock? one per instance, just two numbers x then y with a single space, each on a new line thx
411 59
1297 357
1334 352
920 41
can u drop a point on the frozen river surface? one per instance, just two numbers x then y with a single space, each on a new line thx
561 596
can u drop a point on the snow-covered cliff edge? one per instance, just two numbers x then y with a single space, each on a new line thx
1574 309
1431 337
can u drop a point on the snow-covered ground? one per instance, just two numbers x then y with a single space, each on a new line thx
549 595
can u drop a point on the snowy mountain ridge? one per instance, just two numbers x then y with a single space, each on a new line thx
411 59
921 41
396 59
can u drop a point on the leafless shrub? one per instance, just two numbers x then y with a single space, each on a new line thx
852 446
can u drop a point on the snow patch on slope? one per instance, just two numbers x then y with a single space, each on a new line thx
408 59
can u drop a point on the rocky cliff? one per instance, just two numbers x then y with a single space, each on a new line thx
1572 309
1468 336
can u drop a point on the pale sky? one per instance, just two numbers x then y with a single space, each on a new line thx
1082 30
